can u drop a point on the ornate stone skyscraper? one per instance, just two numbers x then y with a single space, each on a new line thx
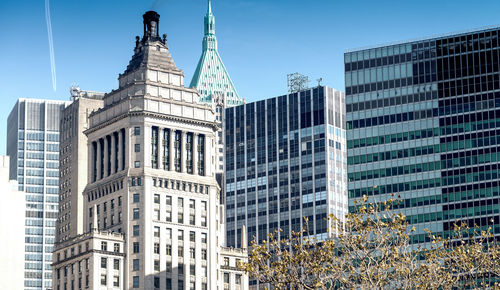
152 178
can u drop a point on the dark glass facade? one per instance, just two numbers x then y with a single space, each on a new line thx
285 160
423 122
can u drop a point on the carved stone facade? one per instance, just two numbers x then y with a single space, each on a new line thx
151 174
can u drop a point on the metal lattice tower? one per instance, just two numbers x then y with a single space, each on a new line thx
297 82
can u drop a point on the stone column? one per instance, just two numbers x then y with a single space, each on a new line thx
112 154
93 161
119 152
106 156
195 153
99 160
171 150
183 152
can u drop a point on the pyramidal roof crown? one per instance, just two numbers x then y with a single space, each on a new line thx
151 50
211 77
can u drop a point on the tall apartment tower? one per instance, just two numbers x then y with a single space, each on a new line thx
423 121
151 177
286 159
73 157
33 147
214 84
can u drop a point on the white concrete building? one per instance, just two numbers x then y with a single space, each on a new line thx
94 260
12 211
33 147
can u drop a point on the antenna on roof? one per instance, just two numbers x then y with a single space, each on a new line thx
297 82
319 81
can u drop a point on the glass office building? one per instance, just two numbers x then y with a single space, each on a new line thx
33 147
285 160
423 123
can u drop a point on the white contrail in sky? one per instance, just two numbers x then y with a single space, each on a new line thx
51 44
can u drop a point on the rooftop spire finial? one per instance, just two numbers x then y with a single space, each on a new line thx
209 21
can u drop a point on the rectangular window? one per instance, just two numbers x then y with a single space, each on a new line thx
157 232
180 217
180 202
137 164
137 131
116 281
169 234
192 237
192 253
104 246
168 250
169 284
157 198
104 263
169 267
166 151
189 153
203 205
135 213
168 199
201 154
136 247
135 265
180 251
103 280
116 264
154 147
157 265
135 282
168 216
156 281
137 147
177 151
180 235
117 248
192 270
192 220
157 248
136 230
203 238
180 268
156 214
192 204
204 254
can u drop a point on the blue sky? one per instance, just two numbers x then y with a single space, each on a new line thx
260 41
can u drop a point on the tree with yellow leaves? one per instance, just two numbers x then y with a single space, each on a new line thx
373 251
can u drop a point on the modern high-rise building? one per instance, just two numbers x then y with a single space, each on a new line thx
285 160
151 185
33 147
423 120
73 155
214 84
12 215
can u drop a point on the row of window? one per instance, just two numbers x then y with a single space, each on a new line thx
180 185
389 119
394 154
395 171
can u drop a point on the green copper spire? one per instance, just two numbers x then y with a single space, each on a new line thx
211 77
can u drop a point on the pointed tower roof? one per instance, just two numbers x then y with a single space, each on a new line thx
151 50
211 76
